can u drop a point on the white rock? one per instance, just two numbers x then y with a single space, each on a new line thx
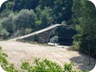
51 44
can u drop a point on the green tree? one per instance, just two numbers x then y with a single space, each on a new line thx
7 23
18 24
62 10
85 24
24 20
44 17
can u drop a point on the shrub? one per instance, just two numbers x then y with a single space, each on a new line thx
47 66
38 66
4 63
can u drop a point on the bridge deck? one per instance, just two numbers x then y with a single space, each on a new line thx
37 32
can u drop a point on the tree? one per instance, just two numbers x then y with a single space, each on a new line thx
62 10
48 3
85 25
25 20
18 24
7 23
44 17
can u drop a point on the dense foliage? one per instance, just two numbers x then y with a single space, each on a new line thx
18 24
30 15
84 18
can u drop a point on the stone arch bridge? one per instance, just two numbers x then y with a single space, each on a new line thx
42 35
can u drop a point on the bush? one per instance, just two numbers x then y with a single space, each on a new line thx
38 66
47 66
4 63
42 66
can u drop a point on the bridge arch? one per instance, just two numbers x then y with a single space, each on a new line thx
42 36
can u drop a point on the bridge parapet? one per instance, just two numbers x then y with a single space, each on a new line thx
43 34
